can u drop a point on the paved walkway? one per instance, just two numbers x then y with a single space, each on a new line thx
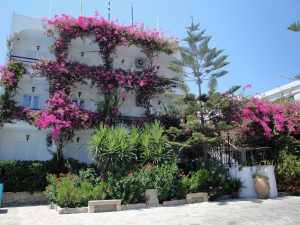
281 211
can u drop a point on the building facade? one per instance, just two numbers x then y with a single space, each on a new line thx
21 141
291 91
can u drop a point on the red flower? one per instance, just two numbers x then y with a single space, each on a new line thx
107 190
181 174
130 174
102 180
58 180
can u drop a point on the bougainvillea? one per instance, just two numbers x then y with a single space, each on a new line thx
10 76
62 116
259 117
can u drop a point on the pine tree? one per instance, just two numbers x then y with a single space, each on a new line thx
294 27
199 62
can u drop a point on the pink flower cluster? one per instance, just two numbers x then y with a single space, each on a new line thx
107 34
63 116
61 76
270 117
8 78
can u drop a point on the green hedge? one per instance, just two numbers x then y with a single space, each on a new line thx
31 175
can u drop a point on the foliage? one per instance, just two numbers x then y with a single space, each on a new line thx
271 118
70 190
294 27
113 148
64 118
153 144
235 185
211 178
30 175
118 149
201 61
166 178
10 76
288 172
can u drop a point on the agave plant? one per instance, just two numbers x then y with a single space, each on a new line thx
113 148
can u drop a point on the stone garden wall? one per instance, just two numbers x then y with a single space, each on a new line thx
23 198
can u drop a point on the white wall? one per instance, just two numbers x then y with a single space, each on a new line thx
14 143
245 174
78 148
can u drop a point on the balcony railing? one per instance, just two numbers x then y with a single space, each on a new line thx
242 156
26 61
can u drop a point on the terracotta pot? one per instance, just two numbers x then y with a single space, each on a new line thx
261 186
152 198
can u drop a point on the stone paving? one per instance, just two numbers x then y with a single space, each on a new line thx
279 211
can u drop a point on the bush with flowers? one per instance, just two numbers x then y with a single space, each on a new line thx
288 172
166 178
259 117
72 190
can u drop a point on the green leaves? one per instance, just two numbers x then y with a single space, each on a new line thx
118 148
294 27
205 63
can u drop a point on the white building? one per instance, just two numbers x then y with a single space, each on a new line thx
290 91
22 141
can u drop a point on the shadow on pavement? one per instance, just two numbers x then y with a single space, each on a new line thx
3 211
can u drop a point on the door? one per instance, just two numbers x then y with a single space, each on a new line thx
26 151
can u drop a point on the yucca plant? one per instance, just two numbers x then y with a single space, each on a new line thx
154 145
113 148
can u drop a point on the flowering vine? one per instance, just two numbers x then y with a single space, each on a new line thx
62 116
259 117
10 76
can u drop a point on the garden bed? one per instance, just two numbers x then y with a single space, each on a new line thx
114 205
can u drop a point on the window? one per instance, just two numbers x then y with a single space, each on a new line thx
31 101
27 101
79 102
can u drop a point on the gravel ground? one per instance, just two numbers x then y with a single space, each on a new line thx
281 211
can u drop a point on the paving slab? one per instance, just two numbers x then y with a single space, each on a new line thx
279 211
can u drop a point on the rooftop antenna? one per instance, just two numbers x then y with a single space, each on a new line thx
108 10
131 13
50 8
80 7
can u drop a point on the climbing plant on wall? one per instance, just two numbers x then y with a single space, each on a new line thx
63 117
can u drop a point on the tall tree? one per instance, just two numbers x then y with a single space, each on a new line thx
198 61
295 27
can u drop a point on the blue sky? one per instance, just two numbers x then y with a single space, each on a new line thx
253 32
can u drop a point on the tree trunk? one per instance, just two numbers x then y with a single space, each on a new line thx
200 93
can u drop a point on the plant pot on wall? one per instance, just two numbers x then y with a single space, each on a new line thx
151 197
261 186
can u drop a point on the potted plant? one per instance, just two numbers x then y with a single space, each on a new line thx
235 186
261 185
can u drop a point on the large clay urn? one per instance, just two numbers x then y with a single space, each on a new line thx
261 186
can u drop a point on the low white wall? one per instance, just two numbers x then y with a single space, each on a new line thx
245 174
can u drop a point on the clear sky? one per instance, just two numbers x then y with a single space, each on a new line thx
253 32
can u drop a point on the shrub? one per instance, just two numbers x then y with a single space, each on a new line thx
113 148
30 175
211 178
129 188
70 190
166 178
288 172
118 149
